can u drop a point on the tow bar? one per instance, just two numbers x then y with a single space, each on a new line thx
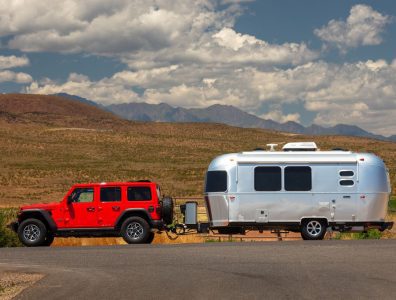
190 223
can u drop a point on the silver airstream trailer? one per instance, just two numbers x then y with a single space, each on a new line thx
299 189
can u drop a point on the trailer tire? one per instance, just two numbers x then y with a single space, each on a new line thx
167 210
313 229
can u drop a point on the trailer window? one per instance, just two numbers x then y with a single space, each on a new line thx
216 181
298 179
347 173
268 179
347 182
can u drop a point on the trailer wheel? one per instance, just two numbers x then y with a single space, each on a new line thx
167 210
313 229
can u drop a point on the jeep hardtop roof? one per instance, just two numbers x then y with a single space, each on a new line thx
138 182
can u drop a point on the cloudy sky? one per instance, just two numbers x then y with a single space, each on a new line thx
323 62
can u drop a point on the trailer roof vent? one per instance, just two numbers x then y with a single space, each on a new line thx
302 146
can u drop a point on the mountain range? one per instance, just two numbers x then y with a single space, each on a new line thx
225 114
229 115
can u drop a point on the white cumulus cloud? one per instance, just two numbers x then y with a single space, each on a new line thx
103 91
18 77
12 61
364 26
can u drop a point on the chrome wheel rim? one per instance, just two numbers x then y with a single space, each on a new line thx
135 230
314 228
31 233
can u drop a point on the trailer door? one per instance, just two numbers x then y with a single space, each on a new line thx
344 205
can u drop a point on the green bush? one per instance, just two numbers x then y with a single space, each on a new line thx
392 204
7 237
372 234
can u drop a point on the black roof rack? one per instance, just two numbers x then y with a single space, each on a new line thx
142 180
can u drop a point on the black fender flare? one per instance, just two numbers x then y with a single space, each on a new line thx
139 211
32 213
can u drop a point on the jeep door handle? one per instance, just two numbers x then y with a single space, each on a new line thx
91 209
116 208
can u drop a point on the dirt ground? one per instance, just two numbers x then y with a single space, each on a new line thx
12 283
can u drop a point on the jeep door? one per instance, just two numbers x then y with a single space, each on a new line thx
80 210
109 205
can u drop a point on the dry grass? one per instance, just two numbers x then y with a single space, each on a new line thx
39 164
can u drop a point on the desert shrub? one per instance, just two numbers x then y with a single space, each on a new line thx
392 204
372 234
7 237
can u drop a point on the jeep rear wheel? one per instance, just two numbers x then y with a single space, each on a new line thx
135 230
49 239
150 238
32 233
313 229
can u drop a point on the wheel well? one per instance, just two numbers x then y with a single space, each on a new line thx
305 220
127 215
35 215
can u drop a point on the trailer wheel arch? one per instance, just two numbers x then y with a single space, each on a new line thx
303 220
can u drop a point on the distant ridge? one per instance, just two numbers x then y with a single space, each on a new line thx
53 110
230 115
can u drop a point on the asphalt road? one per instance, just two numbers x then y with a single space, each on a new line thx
281 270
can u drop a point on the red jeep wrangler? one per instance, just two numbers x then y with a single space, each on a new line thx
128 209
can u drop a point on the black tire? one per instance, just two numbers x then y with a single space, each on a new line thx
167 210
313 229
150 238
49 239
32 233
135 230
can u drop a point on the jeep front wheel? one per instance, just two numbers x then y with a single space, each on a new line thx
32 233
135 230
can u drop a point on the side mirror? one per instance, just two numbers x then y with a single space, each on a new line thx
69 199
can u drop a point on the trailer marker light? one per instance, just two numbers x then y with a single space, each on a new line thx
362 197
362 159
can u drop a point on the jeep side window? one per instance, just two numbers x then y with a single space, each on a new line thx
138 193
82 195
110 194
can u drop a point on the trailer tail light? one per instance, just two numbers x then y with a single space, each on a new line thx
361 159
363 197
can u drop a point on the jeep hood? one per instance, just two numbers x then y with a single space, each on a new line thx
45 206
